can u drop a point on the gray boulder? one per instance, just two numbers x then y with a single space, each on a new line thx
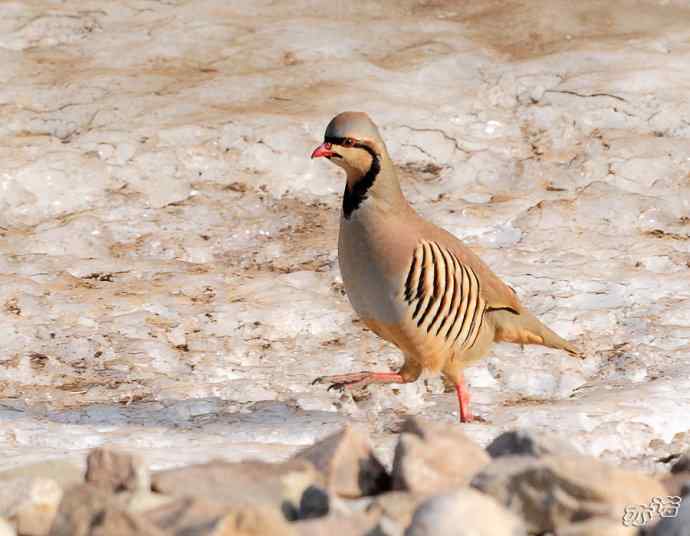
555 491
529 443
675 526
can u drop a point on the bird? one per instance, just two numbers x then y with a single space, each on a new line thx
411 282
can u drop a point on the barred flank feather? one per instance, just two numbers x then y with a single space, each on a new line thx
444 295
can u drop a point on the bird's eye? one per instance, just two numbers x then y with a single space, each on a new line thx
348 142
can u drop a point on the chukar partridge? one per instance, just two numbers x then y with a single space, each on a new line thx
411 282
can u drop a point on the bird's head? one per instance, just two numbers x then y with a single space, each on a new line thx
352 142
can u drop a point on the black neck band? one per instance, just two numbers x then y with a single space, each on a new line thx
352 198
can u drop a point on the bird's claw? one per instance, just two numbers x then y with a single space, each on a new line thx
342 382
337 386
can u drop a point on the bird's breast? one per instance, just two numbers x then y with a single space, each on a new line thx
372 282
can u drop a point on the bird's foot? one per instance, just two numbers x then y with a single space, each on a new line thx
357 380
463 394
467 418
472 418
339 382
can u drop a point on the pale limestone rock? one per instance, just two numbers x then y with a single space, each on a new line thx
6 528
394 510
31 503
116 471
464 512
119 523
63 471
352 525
433 457
280 485
143 500
203 517
598 526
82 508
350 467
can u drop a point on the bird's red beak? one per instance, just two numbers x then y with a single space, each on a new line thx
323 150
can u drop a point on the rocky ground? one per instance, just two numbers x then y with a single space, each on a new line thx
168 271
441 484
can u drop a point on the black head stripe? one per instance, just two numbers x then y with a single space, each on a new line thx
334 140
358 144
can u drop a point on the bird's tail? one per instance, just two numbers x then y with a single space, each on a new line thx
525 328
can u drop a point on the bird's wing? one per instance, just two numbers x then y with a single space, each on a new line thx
443 295
495 292
514 323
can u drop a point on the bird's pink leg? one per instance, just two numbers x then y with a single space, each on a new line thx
356 380
463 400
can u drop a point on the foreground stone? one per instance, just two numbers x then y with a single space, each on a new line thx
433 457
675 526
348 464
82 509
352 525
675 483
315 502
143 500
555 491
529 443
89 510
679 476
119 523
328 488
682 464
395 509
464 513
202 517
117 471
280 485
599 526
6 529
63 472
31 503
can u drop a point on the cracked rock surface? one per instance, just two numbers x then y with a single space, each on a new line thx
168 269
